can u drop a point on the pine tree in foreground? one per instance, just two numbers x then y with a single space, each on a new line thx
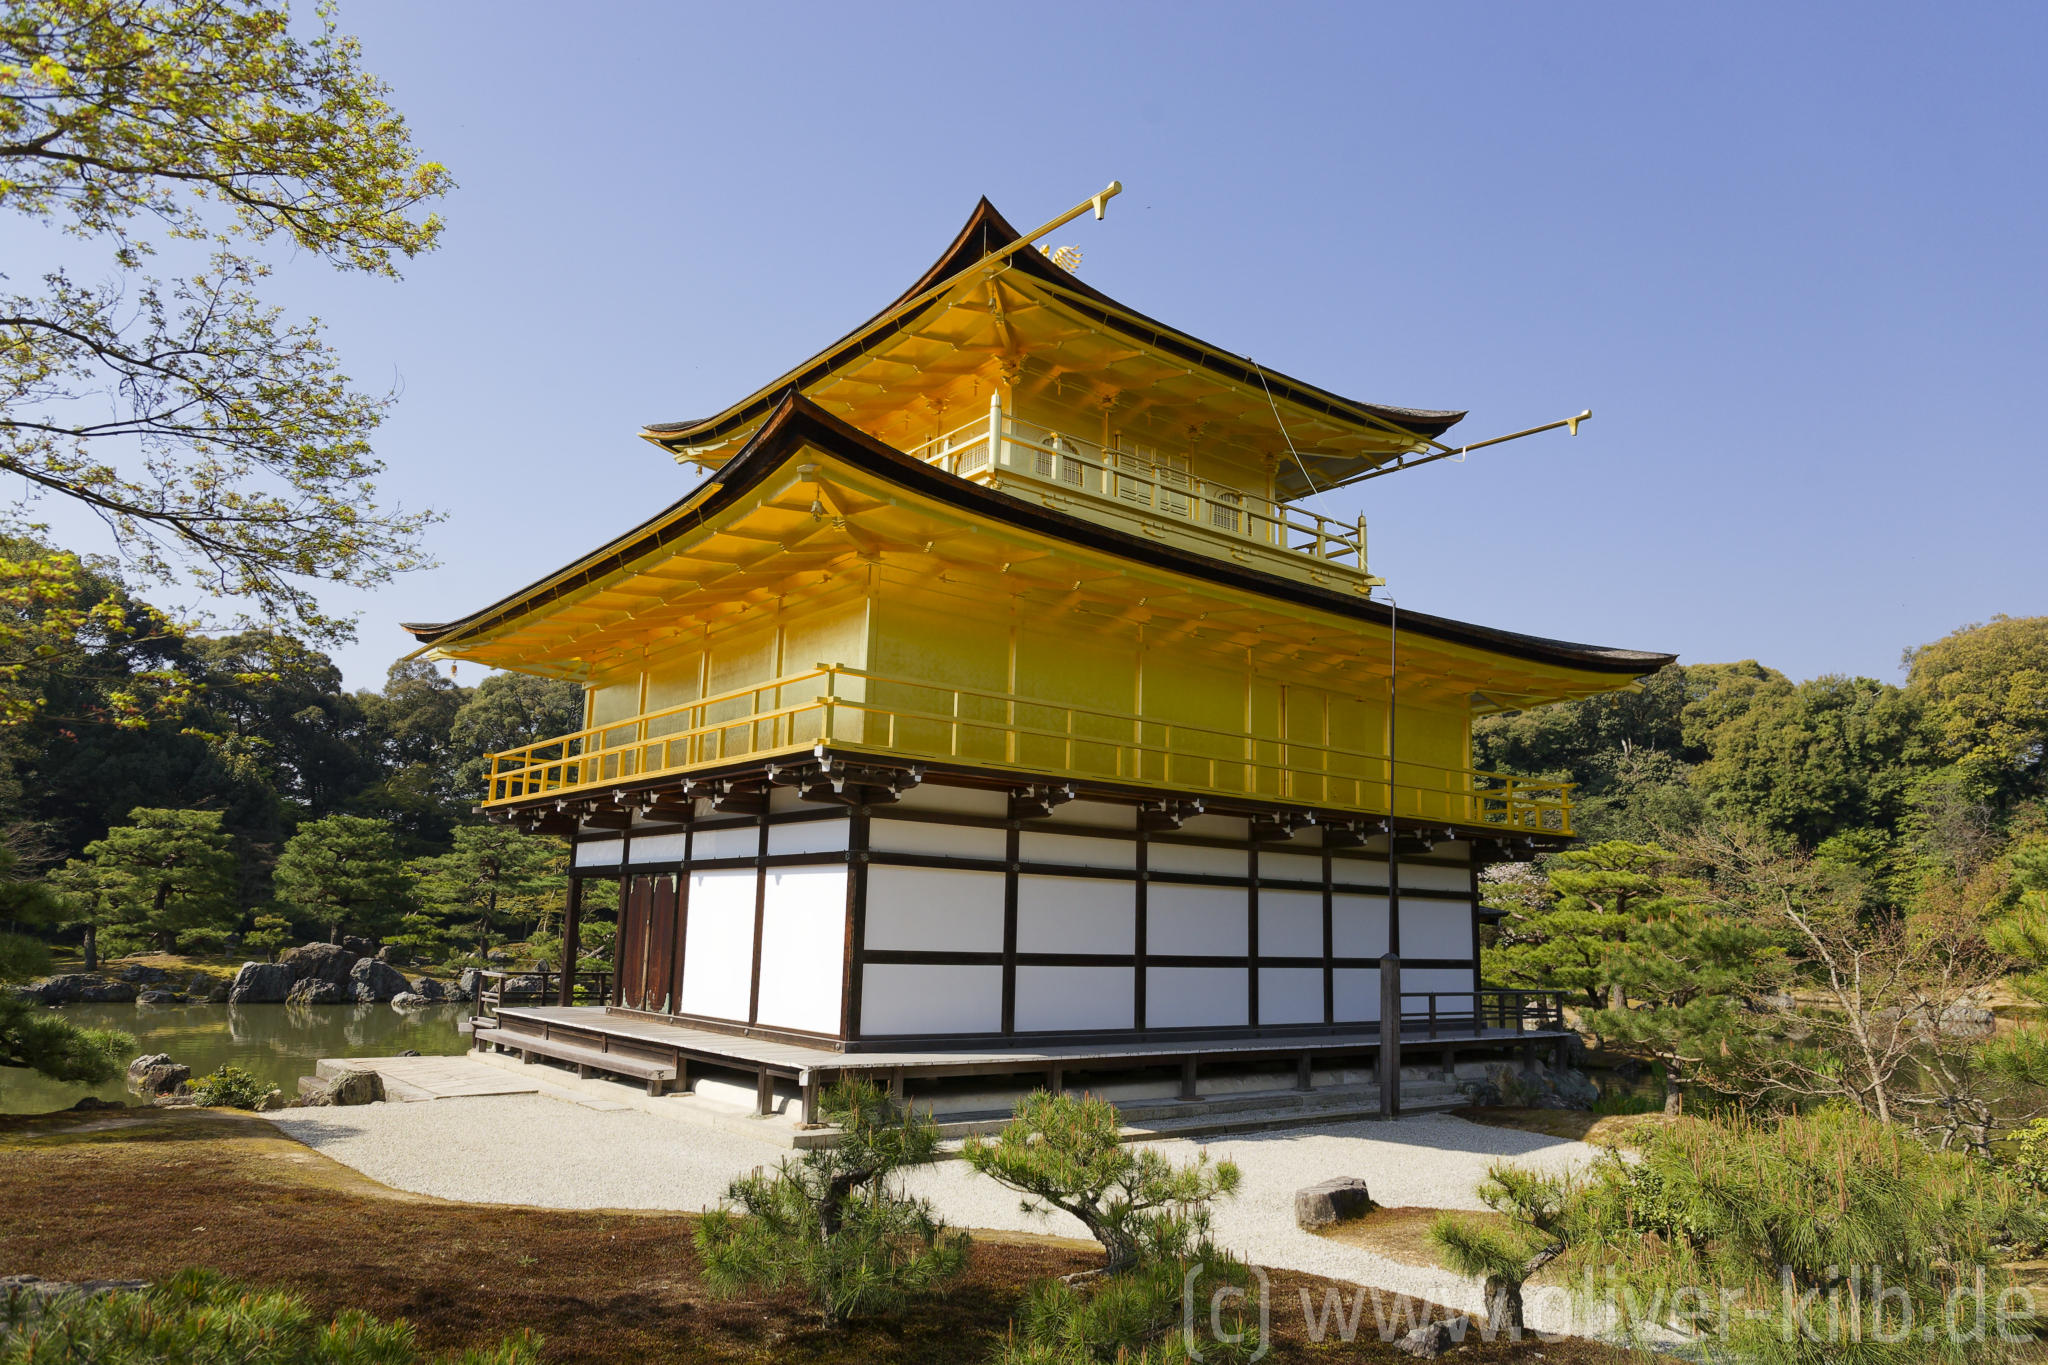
834 1221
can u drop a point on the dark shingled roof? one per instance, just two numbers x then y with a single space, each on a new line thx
796 422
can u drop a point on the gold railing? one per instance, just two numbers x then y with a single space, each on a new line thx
850 709
1140 482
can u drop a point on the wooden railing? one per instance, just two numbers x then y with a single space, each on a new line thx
1140 481
492 990
851 709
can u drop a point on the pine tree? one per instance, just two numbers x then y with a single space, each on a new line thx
1565 938
164 873
344 871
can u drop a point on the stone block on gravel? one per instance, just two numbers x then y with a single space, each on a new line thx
1332 1201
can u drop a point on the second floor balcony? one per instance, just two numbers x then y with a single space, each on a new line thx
1151 492
851 710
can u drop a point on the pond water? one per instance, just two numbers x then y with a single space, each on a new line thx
275 1043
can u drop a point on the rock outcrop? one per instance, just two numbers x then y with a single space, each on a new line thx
376 982
261 983
315 991
158 998
411 1000
142 976
156 1074
78 988
320 961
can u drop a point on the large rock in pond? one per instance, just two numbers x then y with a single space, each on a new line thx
427 988
320 961
466 984
156 1074
411 1000
74 988
361 947
314 991
158 997
261 983
377 981
1333 1201
142 976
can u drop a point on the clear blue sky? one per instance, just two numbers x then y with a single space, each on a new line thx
1792 256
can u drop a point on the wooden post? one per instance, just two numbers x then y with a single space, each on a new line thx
1390 1036
1305 1072
572 929
1188 1090
810 1099
764 1093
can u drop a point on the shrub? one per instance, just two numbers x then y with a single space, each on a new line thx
1069 1154
1152 1220
1538 1210
231 1088
43 1041
199 1316
832 1221
1844 1237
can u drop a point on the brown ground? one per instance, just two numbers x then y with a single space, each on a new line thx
143 1193
1618 1130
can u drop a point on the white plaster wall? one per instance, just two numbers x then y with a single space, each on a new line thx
1208 920
1217 827
1062 998
1192 997
657 848
1290 995
1214 862
1455 979
1291 925
1357 994
954 800
1358 925
1421 877
1298 867
1357 872
1436 929
809 836
718 944
1075 915
1103 814
940 909
803 947
604 854
741 842
1073 850
905 999
939 841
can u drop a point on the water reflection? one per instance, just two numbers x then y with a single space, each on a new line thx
275 1043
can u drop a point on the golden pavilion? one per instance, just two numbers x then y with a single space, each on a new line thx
993 704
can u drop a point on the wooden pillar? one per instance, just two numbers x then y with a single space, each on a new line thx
764 1093
1188 1089
810 1088
1450 1064
1305 1072
572 930
1389 1067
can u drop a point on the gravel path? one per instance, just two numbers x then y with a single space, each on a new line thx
529 1149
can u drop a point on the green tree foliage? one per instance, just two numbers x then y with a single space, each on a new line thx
407 733
1815 759
344 872
834 1221
234 444
200 1316
1985 692
509 711
1771 1217
43 1041
1683 980
76 648
1067 1153
494 877
1538 1219
1564 935
164 873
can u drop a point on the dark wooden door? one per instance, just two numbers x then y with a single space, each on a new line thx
630 967
658 984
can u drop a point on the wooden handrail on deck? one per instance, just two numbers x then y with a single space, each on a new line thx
855 709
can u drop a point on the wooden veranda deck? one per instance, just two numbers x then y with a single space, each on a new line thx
586 1035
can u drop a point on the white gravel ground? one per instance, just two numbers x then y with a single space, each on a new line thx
529 1149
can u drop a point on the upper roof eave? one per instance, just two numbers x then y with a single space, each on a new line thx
796 421
986 231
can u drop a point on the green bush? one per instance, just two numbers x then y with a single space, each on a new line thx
199 1316
43 1041
231 1088
1822 1238
833 1221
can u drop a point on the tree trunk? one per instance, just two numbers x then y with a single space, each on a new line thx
334 931
1674 1097
92 947
1617 998
1504 1307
